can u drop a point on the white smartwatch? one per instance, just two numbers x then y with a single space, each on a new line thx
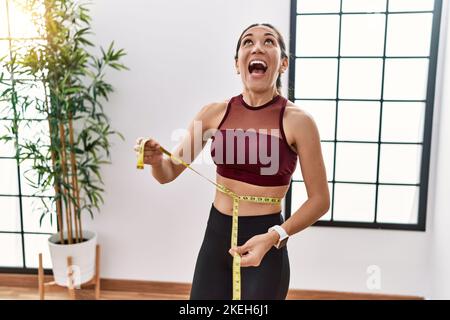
283 236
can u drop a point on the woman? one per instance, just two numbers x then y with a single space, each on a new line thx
260 60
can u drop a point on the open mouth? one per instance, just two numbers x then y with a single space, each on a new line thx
257 67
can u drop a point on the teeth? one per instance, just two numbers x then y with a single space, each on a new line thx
258 61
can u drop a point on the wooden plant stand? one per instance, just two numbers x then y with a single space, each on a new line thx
71 289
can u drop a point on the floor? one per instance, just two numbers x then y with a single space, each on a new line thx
17 293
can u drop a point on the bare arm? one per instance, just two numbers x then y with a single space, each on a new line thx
307 142
165 170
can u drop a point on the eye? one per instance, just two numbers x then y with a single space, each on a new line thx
246 41
271 41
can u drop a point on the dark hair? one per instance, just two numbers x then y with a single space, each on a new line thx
280 41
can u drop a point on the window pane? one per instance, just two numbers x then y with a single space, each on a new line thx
297 175
409 34
398 204
410 5
327 215
31 96
4 57
403 121
299 196
400 163
363 5
406 79
354 202
7 148
28 174
356 162
317 35
307 6
21 21
9 214
32 211
315 78
31 131
6 110
3 20
328 158
360 78
11 246
362 34
21 47
380 141
358 120
35 244
324 114
8 172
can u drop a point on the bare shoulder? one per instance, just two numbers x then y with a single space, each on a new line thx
298 124
212 113
295 113
216 107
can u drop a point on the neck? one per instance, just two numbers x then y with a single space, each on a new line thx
253 98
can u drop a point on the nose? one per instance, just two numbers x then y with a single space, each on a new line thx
257 48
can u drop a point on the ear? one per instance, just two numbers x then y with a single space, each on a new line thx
236 66
284 65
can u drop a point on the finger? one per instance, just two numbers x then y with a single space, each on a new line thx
149 158
247 261
243 249
232 251
152 149
154 145
153 153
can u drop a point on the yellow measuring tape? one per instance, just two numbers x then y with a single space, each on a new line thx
236 199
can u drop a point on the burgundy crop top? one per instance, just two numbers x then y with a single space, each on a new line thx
250 145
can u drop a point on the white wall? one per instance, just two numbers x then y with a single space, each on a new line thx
181 58
440 223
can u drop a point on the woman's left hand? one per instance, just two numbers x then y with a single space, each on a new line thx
253 251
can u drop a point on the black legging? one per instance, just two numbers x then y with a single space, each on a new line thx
212 277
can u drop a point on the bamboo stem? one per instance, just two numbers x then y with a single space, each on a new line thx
66 192
81 227
77 217
53 153
55 183
58 201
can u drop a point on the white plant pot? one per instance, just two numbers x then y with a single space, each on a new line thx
83 259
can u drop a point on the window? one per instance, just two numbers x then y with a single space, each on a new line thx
365 70
21 236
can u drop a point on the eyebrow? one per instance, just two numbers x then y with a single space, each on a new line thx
251 34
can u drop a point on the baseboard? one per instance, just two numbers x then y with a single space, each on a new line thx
176 288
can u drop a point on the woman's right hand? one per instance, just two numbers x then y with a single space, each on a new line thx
152 153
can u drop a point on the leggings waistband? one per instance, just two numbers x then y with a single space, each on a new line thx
247 225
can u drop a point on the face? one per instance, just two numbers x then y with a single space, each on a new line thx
259 59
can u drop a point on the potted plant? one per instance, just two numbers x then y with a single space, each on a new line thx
67 156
